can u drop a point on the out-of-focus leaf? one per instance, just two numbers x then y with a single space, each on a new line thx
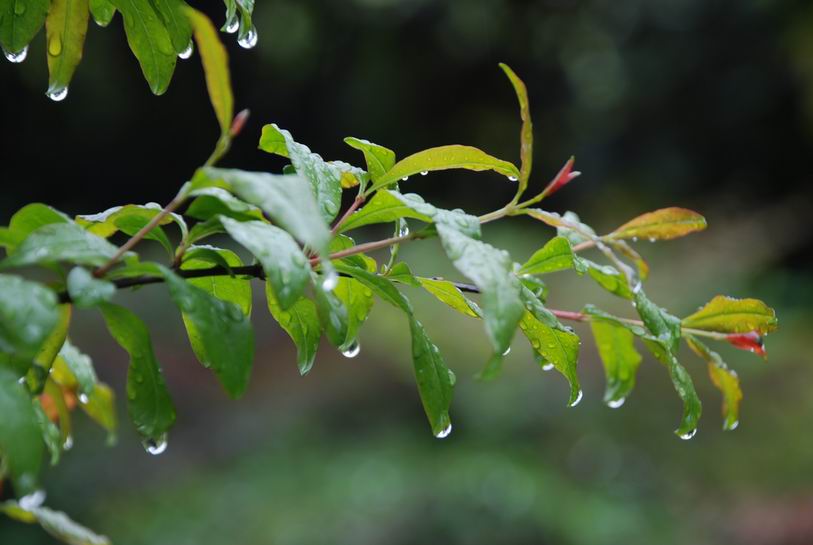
526 132
28 219
301 322
20 21
28 315
629 252
729 315
379 159
556 346
50 433
215 64
358 300
555 255
724 379
61 242
56 523
86 291
100 405
46 355
434 380
447 293
102 11
616 347
692 408
751 341
148 400
363 261
79 366
66 27
214 201
663 224
21 445
400 272
53 393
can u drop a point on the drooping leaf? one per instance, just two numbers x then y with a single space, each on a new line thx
54 396
491 270
616 347
130 219
216 66
86 291
663 224
301 322
448 293
380 285
400 272
50 433
21 445
148 400
325 178
555 255
332 316
285 266
434 379
56 523
729 315
358 300
20 21
28 315
102 11
100 406
556 346
665 327
526 134
61 242
379 159
150 41
445 158
66 27
724 379
247 34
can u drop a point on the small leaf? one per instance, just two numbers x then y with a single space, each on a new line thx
102 11
363 261
66 27
447 293
629 252
21 443
61 242
729 315
87 291
301 322
148 400
285 266
79 366
555 255
445 158
608 277
20 21
100 406
556 346
379 159
663 224
215 65
28 315
526 132
724 379
130 219
692 408
400 272
50 433
433 378
616 347
173 14
358 300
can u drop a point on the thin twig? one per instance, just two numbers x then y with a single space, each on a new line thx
353 207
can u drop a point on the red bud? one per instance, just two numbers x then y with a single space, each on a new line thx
751 341
562 178
238 123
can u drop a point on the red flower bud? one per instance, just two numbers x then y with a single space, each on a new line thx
238 123
562 178
751 341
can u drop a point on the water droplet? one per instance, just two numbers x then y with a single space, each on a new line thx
232 24
57 94
635 239
547 367
424 172
731 427
577 400
186 53
54 46
403 229
652 239
17 57
68 444
616 403
156 446
688 435
352 351
507 351
637 287
84 399
330 280
444 433
249 40
512 178
32 500
405 178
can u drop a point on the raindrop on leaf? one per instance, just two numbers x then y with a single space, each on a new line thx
156 446
352 351
249 40
17 57
444 433
186 53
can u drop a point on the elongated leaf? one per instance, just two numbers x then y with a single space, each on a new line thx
380 285
216 66
20 21
664 326
173 14
332 316
102 11
344 242
301 322
148 400
555 255
492 271
66 27
325 178
21 446
55 398
616 347
448 293
629 252
100 406
434 379
150 41
227 288
400 272
724 379
379 159
692 408
61 242
46 355
556 346
527 132
445 158
730 315
50 433
285 266
663 224
130 219
358 300
28 315
56 523
87 291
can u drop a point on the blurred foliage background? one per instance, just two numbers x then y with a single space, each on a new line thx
696 103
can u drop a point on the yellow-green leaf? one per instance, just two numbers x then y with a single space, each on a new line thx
724 379
663 224
66 27
215 65
729 315
448 293
526 150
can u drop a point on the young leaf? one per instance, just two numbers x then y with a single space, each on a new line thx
692 408
400 272
301 322
629 252
28 315
565 175
444 158
216 66
130 219
729 315
285 266
21 446
66 27
448 293
724 379
751 341
526 134
362 261
79 366
150 41
50 433
148 400
379 159
491 270
61 242
555 255
663 224
358 300
616 347
100 406
102 11
434 380
556 346
20 21
87 291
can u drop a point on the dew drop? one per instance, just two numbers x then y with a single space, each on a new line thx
186 53
54 46
405 178
616 403
84 399
17 57
57 94
352 351
688 435
444 433
156 446
32 500
249 40
547 367
507 351
403 229
512 178
232 24
424 172
68 444
577 400
652 239
330 280
731 427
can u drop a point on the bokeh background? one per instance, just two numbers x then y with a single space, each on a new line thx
695 103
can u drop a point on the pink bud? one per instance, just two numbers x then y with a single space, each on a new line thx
238 123
562 178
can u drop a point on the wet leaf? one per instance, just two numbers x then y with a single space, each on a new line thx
357 298
379 159
526 132
682 382
28 315
102 11
555 255
729 315
27 220
86 291
608 277
447 293
380 285
61 242
46 355
724 379
663 224
616 347
20 21
556 346
332 316
213 201
301 322
56 523
66 27
174 14
433 378
21 444
665 327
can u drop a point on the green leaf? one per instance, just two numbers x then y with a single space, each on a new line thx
663 224
287 199
608 277
301 322
434 380
51 435
214 201
56 396
20 21
56 523
729 315
28 219
379 159
61 242
446 292
173 14
344 242
44 359
357 298
246 8
102 11
692 408
332 316
491 270
380 285
527 132
400 272
658 321
285 266
87 291
556 346
100 406
66 27
79 366
616 347
568 225
148 400
150 41
724 379
555 255
325 178
130 219
216 66
28 315
445 158
21 444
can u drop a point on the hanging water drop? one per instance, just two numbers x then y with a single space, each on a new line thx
405 178
68 444
84 399
403 229
248 40
57 94
616 403
547 367
330 280
577 400
17 57
352 351
424 172
512 178
233 24
507 351
186 53
156 446
32 500
444 433
688 435
732 426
